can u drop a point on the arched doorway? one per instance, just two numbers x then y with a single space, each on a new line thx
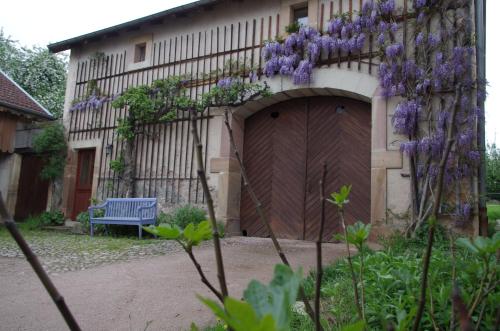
284 149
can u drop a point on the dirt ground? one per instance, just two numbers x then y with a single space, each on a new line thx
156 293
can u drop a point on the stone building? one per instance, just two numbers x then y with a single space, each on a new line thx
339 117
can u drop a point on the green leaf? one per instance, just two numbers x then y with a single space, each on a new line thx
195 234
240 315
358 233
340 198
164 231
277 298
482 246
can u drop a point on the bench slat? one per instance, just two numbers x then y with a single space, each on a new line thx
126 211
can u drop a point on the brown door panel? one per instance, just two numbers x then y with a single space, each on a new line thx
84 177
284 149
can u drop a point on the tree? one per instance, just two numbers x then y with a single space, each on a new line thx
51 145
36 70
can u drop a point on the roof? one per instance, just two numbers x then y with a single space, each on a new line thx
127 26
15 98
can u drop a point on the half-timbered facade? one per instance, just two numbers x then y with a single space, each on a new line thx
340 117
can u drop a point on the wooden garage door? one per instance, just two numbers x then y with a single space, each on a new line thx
284 148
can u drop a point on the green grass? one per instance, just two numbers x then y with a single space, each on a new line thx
493 212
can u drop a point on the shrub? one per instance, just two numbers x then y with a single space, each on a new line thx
52 145
52 218
84 219
47 218
183 215
392 279
31 223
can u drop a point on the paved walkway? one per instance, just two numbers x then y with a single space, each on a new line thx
157 292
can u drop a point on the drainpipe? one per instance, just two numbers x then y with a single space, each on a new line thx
480 21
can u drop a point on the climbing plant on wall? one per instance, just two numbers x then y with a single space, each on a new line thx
433 76
164 101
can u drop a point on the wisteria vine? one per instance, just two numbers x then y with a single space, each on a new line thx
432 73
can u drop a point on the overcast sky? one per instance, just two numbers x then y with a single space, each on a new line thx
36 22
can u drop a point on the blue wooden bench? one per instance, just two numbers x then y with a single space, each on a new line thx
125 211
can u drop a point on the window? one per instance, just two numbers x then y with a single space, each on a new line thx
300 15
140 52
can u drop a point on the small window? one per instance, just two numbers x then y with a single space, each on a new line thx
140 52
300 15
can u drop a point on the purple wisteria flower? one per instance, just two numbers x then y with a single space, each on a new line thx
271 67
419 40
226 83
387 7
394 50
409 148
381 39
406 117
288 64
433 40
420 3
421 17
335 25
302 74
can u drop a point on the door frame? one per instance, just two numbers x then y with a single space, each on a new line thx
385 158
69 183
77 177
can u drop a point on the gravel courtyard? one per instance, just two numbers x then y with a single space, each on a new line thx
132 285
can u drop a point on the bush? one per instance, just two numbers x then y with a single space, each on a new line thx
84 219
182 216
392 280
47 218
31 223
52 218
51 143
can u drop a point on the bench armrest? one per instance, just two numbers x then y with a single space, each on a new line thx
142 209
92 208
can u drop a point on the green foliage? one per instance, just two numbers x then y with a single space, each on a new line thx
340 198
39 72
117 165
484 247
51 144
31 223
165 98
191 235
266 308
493 216
47 218
293 27
357 234
493 212
84 219
52 218
392 278
493 171
182 216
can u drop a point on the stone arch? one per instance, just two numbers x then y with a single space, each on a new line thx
327 82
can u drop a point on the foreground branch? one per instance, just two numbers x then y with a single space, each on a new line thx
435 210
260 211
204 279
351 267
210 204
37 267
319 262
